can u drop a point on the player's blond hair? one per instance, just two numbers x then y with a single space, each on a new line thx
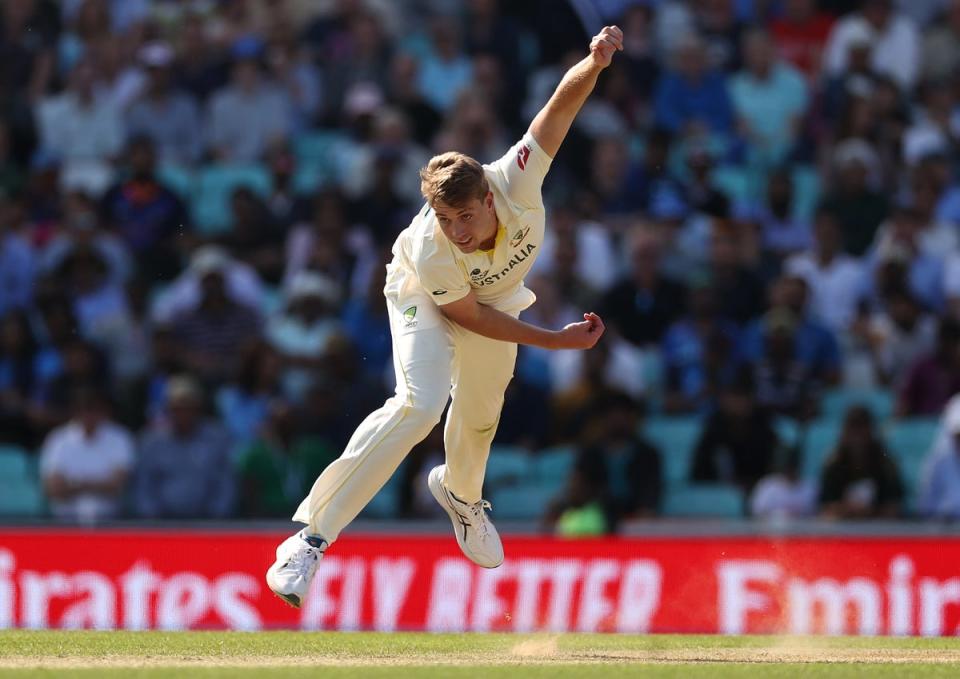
453 179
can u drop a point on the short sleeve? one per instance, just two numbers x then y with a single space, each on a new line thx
521 170
442 279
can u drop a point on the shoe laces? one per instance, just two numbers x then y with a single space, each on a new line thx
304 561
479 519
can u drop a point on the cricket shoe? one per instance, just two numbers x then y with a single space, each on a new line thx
476 534
297 559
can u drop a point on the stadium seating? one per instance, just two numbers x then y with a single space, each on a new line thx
552 466
507 466
214 185
908 442
675 438
704 499
836 402
516 503
20 493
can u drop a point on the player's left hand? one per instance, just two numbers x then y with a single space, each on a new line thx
604 44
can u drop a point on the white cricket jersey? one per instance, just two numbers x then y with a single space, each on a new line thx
423 256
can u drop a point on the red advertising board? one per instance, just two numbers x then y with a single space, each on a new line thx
179 580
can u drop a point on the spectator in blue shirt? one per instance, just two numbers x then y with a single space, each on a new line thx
691 97
184 469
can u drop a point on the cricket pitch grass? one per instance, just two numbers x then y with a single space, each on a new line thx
330 654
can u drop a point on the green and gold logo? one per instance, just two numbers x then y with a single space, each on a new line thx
410 316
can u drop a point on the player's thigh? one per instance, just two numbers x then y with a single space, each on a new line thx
422 351
482 368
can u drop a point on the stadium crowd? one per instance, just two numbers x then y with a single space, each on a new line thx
761 199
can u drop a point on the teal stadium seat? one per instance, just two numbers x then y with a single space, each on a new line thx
908 443
214 187
521 503
14 463
386 503
712 500
507 466
806 191
20 492
316 154
552 466
675 438
818 443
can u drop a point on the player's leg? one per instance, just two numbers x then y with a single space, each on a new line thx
482 369
422 355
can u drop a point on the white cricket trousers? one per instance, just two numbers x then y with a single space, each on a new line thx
434 359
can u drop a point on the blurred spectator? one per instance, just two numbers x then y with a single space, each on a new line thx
200 68
692 99
366 323
698 354
215 330
184 469
860 481
801 33
933 378
445 70
857 207
579 511
83 129
893 37
784 232
613 457
404 93
941 44
148 216
938 494
786 381
769 99
901 244
643 304
739 290
302 330
837 281
280 466
738 443
591 256
290 68
896 336
70 365
254 238
18 262
244 403
250 113
167 116
85 463
782 494
18 377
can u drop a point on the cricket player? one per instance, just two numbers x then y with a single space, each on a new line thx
454 293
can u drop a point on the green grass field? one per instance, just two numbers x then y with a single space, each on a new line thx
294 654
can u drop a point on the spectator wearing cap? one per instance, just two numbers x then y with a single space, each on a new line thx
837 281
893 37
147 216
301 331
184 470
213 332
859 207
769 100
85 463
691 98
168 116
933 378
938 494
248 115
185 293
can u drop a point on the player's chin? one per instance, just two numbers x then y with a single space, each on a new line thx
467 249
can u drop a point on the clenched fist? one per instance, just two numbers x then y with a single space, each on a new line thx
604 44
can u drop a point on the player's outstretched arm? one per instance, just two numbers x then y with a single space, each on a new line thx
487 321
552 123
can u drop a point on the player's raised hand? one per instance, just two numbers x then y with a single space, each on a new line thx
582 335
604 44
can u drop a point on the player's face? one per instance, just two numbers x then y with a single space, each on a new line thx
470 226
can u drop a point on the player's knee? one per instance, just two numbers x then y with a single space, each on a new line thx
426 412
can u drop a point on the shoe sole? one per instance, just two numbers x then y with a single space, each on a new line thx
290 599
434 484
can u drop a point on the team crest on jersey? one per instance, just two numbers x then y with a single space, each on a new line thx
519 236
522 154
477 274
410 317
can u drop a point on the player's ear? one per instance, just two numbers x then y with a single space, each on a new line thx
488 200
